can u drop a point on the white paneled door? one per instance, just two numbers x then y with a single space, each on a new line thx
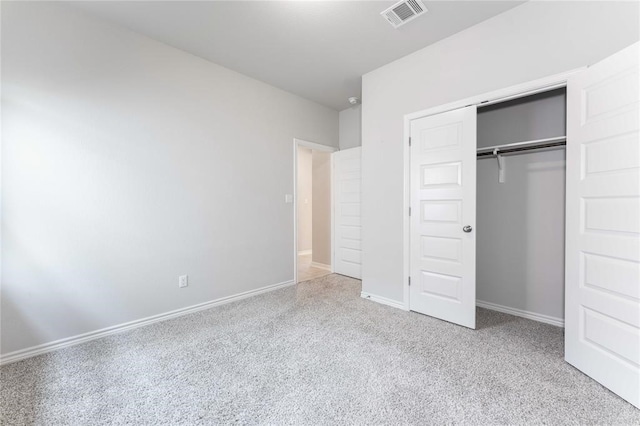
602 315
443 213
347 255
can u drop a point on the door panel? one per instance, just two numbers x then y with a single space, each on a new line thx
347 241
602 324
443 201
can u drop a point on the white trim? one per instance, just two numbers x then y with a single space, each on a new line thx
305 252
120 328
333 213
314 146
406 221
321 266
558 322
512 92
333 216
317 147
383 300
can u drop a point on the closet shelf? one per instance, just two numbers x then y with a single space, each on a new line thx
512 148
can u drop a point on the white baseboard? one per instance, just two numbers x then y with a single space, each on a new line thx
321 266
383 300
97 334
304 252
558 322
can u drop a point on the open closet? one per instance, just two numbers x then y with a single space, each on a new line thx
527 200
521 206
488 184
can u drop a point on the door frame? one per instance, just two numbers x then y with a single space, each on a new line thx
317 147
555 81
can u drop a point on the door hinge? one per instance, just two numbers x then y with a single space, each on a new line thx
409 211
409 140
409 281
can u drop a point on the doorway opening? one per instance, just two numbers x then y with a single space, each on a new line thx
313 210
520 212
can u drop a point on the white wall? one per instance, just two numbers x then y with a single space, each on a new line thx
350 127
528 42
321 207
520 233
304 203
126 163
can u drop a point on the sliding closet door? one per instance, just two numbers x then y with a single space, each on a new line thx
602 325
443 210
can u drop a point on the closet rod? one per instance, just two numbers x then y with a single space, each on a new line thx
491 151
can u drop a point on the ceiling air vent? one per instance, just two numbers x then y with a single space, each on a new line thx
403 12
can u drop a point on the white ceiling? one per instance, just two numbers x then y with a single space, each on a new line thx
316 49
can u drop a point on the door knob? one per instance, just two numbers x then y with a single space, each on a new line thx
467 228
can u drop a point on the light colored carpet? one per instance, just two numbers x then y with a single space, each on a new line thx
313 354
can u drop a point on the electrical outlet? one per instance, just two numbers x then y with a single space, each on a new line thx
183 281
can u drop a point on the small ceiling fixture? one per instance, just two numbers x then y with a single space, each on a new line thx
354 100
403 12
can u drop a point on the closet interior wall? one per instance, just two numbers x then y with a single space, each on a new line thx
520 223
